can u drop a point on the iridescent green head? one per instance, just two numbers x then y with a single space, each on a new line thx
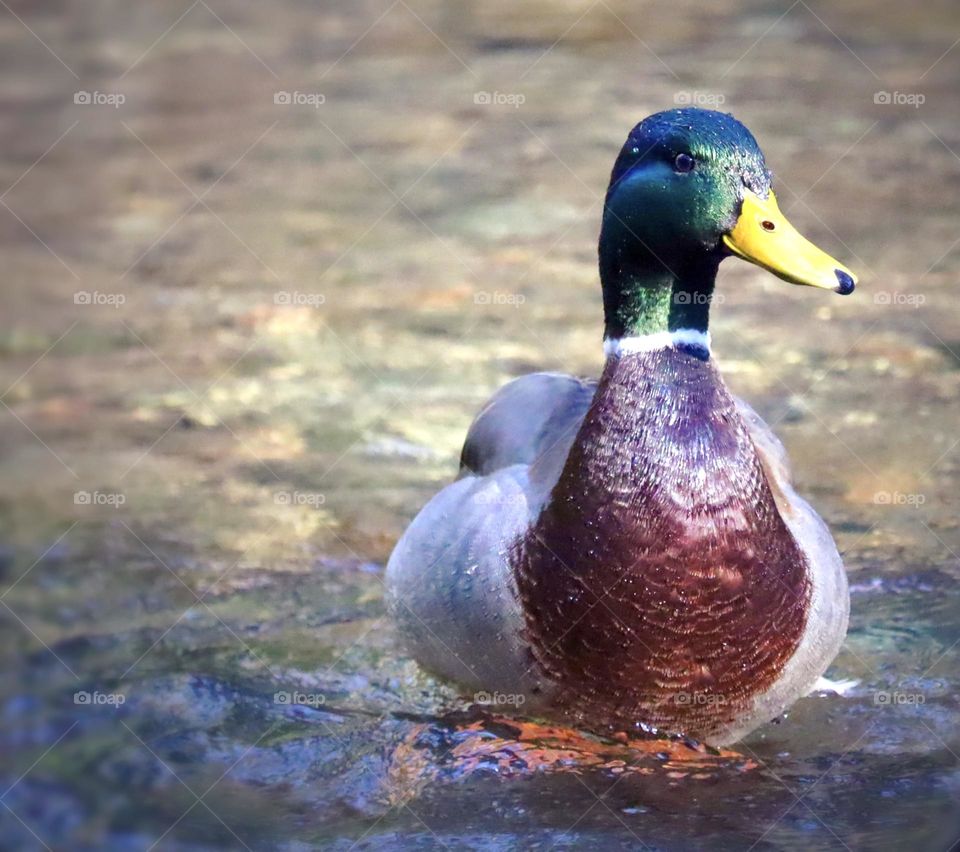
689 188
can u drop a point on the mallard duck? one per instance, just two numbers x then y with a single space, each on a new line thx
629 554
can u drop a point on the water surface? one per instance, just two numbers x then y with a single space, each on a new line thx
202 483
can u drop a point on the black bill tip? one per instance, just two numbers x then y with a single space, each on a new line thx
846 285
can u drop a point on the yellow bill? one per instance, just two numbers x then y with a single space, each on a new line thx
763 236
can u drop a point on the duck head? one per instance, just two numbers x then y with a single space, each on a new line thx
690 188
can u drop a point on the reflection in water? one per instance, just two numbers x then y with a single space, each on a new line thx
243 339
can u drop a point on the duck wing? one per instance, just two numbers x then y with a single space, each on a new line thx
809 530
829 608
450 582
528 418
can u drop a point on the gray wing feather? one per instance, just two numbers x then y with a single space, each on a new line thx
450 585
450 582
829 607
532 415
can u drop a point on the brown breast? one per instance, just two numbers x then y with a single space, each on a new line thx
660 584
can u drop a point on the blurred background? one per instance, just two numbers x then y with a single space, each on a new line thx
263 263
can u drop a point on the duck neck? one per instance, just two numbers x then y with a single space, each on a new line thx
644 296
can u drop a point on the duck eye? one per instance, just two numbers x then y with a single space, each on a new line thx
684 163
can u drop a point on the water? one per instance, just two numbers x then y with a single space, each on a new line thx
316 299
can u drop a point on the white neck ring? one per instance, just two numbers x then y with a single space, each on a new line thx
692 337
